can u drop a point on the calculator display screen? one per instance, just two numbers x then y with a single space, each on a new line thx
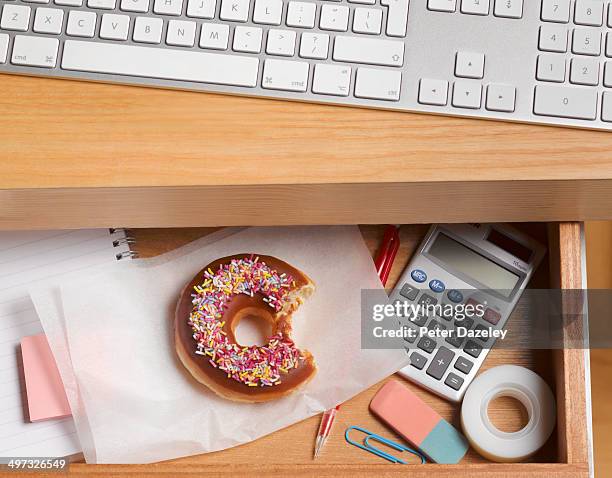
466 261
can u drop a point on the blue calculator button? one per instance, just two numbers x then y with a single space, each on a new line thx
418 275
437 285
454 296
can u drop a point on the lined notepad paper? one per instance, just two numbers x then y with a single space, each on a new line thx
28 258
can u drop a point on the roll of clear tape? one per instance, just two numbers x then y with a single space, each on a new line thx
523 385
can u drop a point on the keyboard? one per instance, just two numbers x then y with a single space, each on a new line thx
536 61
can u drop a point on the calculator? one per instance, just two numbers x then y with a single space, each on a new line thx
482 268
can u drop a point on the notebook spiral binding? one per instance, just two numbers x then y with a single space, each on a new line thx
125 240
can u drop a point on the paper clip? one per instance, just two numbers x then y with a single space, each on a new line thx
367 446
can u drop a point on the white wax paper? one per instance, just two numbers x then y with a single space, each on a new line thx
132 399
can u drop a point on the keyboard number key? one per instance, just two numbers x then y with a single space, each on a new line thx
331 80
589 12
551 68
553 38
441 5
584 71
508 8
564 102
377 84
556 11
586 41
467 94
501 98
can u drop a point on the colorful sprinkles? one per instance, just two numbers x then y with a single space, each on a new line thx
254 366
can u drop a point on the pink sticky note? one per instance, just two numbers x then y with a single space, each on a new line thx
45 390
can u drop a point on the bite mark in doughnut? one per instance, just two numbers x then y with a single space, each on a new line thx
211 307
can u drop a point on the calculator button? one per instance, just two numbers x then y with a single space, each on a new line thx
409 292
435 325
463 365
454 296
491 316
418 275
454 340
454 381
426 344
411 338
437 285
482 328
473 349
399 307
419 320
466 322
440 363
426 300
417 360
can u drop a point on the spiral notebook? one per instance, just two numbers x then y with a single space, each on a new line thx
28 259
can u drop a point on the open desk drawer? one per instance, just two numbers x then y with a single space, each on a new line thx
289 451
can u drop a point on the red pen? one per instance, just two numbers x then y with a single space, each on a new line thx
384 260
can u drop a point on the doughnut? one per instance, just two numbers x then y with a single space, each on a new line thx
212 305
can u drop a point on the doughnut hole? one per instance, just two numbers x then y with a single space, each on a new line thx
252 326
507 414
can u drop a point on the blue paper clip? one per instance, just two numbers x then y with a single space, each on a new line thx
367 446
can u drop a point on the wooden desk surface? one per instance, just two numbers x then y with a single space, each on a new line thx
75 154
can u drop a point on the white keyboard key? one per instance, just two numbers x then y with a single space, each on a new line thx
301 14
586 41
235 10
281 42
114 27
584 71
314 45
501 98
607 81
331 80
509 8
148 30
101 4
4 43
35 51
378 84
285 75
268 12
475 7
564 102
363 2
469 65
556 11
247 39
35 1
397 17
369 50
152 62
551 68
137 6
606 107
81 24
69 3
588 12
610 17
168 7
49 20
16 18
367 20
433 92
441 5
467 94
609 45
201 8
214 36
334 17
553 38
181 33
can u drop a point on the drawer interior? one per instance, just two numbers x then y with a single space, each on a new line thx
290 450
